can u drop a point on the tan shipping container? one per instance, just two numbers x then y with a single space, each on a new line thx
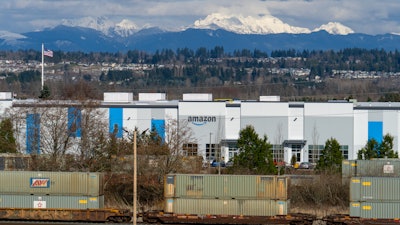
226 186
51 201
51 183
243 207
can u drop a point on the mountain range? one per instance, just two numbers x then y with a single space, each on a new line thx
265 33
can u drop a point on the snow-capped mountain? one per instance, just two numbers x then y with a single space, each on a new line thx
263 25
100 23
265 33
124 28
238 24
6 35
335 28
247 25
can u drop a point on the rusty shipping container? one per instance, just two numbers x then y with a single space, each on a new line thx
51 183
51 201
375 210
375 189
247 207
226 186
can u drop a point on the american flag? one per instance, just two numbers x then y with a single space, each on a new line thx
48 53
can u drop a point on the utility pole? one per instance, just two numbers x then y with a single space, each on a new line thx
134 179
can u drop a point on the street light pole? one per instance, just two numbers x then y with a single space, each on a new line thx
134 179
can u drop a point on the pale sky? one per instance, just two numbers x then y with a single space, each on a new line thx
363 16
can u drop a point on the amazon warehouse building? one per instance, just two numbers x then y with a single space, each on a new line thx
297 129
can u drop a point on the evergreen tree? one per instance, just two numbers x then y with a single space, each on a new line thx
369 151
45 92
7 140
375 150
386 148
255 154
331 157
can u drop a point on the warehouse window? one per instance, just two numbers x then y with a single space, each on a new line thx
190 149
232 150
212 151
278 154
345 151
314 151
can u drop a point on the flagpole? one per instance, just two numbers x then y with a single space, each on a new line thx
42 66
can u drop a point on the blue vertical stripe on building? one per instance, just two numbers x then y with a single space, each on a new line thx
159 127
115 121
33 133
375 130
74 122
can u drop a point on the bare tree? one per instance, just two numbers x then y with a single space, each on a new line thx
92 149
68 137
278 153
55 139
177 133
315 153
46 133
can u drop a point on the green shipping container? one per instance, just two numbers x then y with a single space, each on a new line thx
51 201
226 186
372 168
245 207
375 210
51 183
375 189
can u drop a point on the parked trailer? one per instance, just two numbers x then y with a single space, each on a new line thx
68 215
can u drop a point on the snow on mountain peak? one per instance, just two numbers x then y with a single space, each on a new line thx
247 25
125 28
6 35
335 28
104 25
100 23
266 24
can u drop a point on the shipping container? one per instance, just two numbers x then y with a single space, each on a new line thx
51 201
51 183
226 186
375 189
376 210
372 168
248 207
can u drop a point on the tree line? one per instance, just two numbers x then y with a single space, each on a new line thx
239 74
346 59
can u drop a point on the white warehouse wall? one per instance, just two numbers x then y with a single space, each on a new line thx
360 132
283 122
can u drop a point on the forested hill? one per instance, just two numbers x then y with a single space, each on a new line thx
245 74
65 38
